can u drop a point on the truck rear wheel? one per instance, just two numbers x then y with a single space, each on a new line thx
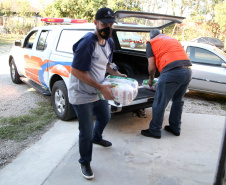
15 77
60 102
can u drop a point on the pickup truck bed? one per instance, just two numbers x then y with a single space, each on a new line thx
142 91
144 96
135 65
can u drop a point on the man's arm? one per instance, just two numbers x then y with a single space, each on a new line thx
151 70
84 77
113 72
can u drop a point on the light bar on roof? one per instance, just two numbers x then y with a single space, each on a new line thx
63 20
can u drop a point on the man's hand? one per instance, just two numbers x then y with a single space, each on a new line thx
150 82
122 75
106 92
84 77
115 73
151 70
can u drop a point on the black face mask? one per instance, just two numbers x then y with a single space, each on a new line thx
105 33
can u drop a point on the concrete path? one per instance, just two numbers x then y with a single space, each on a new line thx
190 159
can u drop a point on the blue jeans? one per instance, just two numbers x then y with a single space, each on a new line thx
87 131
172 85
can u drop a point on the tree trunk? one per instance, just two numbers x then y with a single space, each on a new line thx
174 29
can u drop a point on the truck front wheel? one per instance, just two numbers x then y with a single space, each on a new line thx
15 77
60 102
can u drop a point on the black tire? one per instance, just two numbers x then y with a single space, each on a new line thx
60 102
15 77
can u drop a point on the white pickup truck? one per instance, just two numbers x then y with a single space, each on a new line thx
43 59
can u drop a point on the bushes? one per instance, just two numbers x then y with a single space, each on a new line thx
20 25
16 27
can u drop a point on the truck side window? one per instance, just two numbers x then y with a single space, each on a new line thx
68 38
43 40
29 40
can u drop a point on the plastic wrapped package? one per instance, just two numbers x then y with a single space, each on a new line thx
124 92
154 83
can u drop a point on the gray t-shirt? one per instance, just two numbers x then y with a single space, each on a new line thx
93 58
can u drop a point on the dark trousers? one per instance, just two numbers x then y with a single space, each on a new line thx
172 85
87 131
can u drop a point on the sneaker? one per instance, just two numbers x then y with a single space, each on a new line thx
147 133
168 129
103 143
87 171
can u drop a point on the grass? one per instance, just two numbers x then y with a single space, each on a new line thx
221 99
21 127
6 39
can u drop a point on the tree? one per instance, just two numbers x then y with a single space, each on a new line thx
132 5
220 15
23 8
6 7
184 5
155 6
86 9
220 18
73 8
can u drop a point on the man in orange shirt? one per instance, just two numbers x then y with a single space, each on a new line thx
169 57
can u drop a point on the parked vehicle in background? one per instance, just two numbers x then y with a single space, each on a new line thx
210 40
208 67
131 39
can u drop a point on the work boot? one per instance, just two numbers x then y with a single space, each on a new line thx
87 171
103 143
168 129
147 133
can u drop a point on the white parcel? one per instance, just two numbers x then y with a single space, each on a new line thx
124 92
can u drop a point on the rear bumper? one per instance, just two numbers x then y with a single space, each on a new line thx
138 106
146 103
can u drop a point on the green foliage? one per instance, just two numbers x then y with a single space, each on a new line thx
190 34
220 15
21 127
71 9
86 9
197 17
6 7
23 8
21 26
9 39
131 5
220 19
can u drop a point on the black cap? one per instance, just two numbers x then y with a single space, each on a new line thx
154 33
105 15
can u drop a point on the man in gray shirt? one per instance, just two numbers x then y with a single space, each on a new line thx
92 58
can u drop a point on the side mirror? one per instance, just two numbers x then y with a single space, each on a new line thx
17 43
223 65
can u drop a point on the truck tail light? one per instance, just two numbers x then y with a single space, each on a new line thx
64 20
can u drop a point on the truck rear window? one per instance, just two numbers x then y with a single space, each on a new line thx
68 38
133 40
